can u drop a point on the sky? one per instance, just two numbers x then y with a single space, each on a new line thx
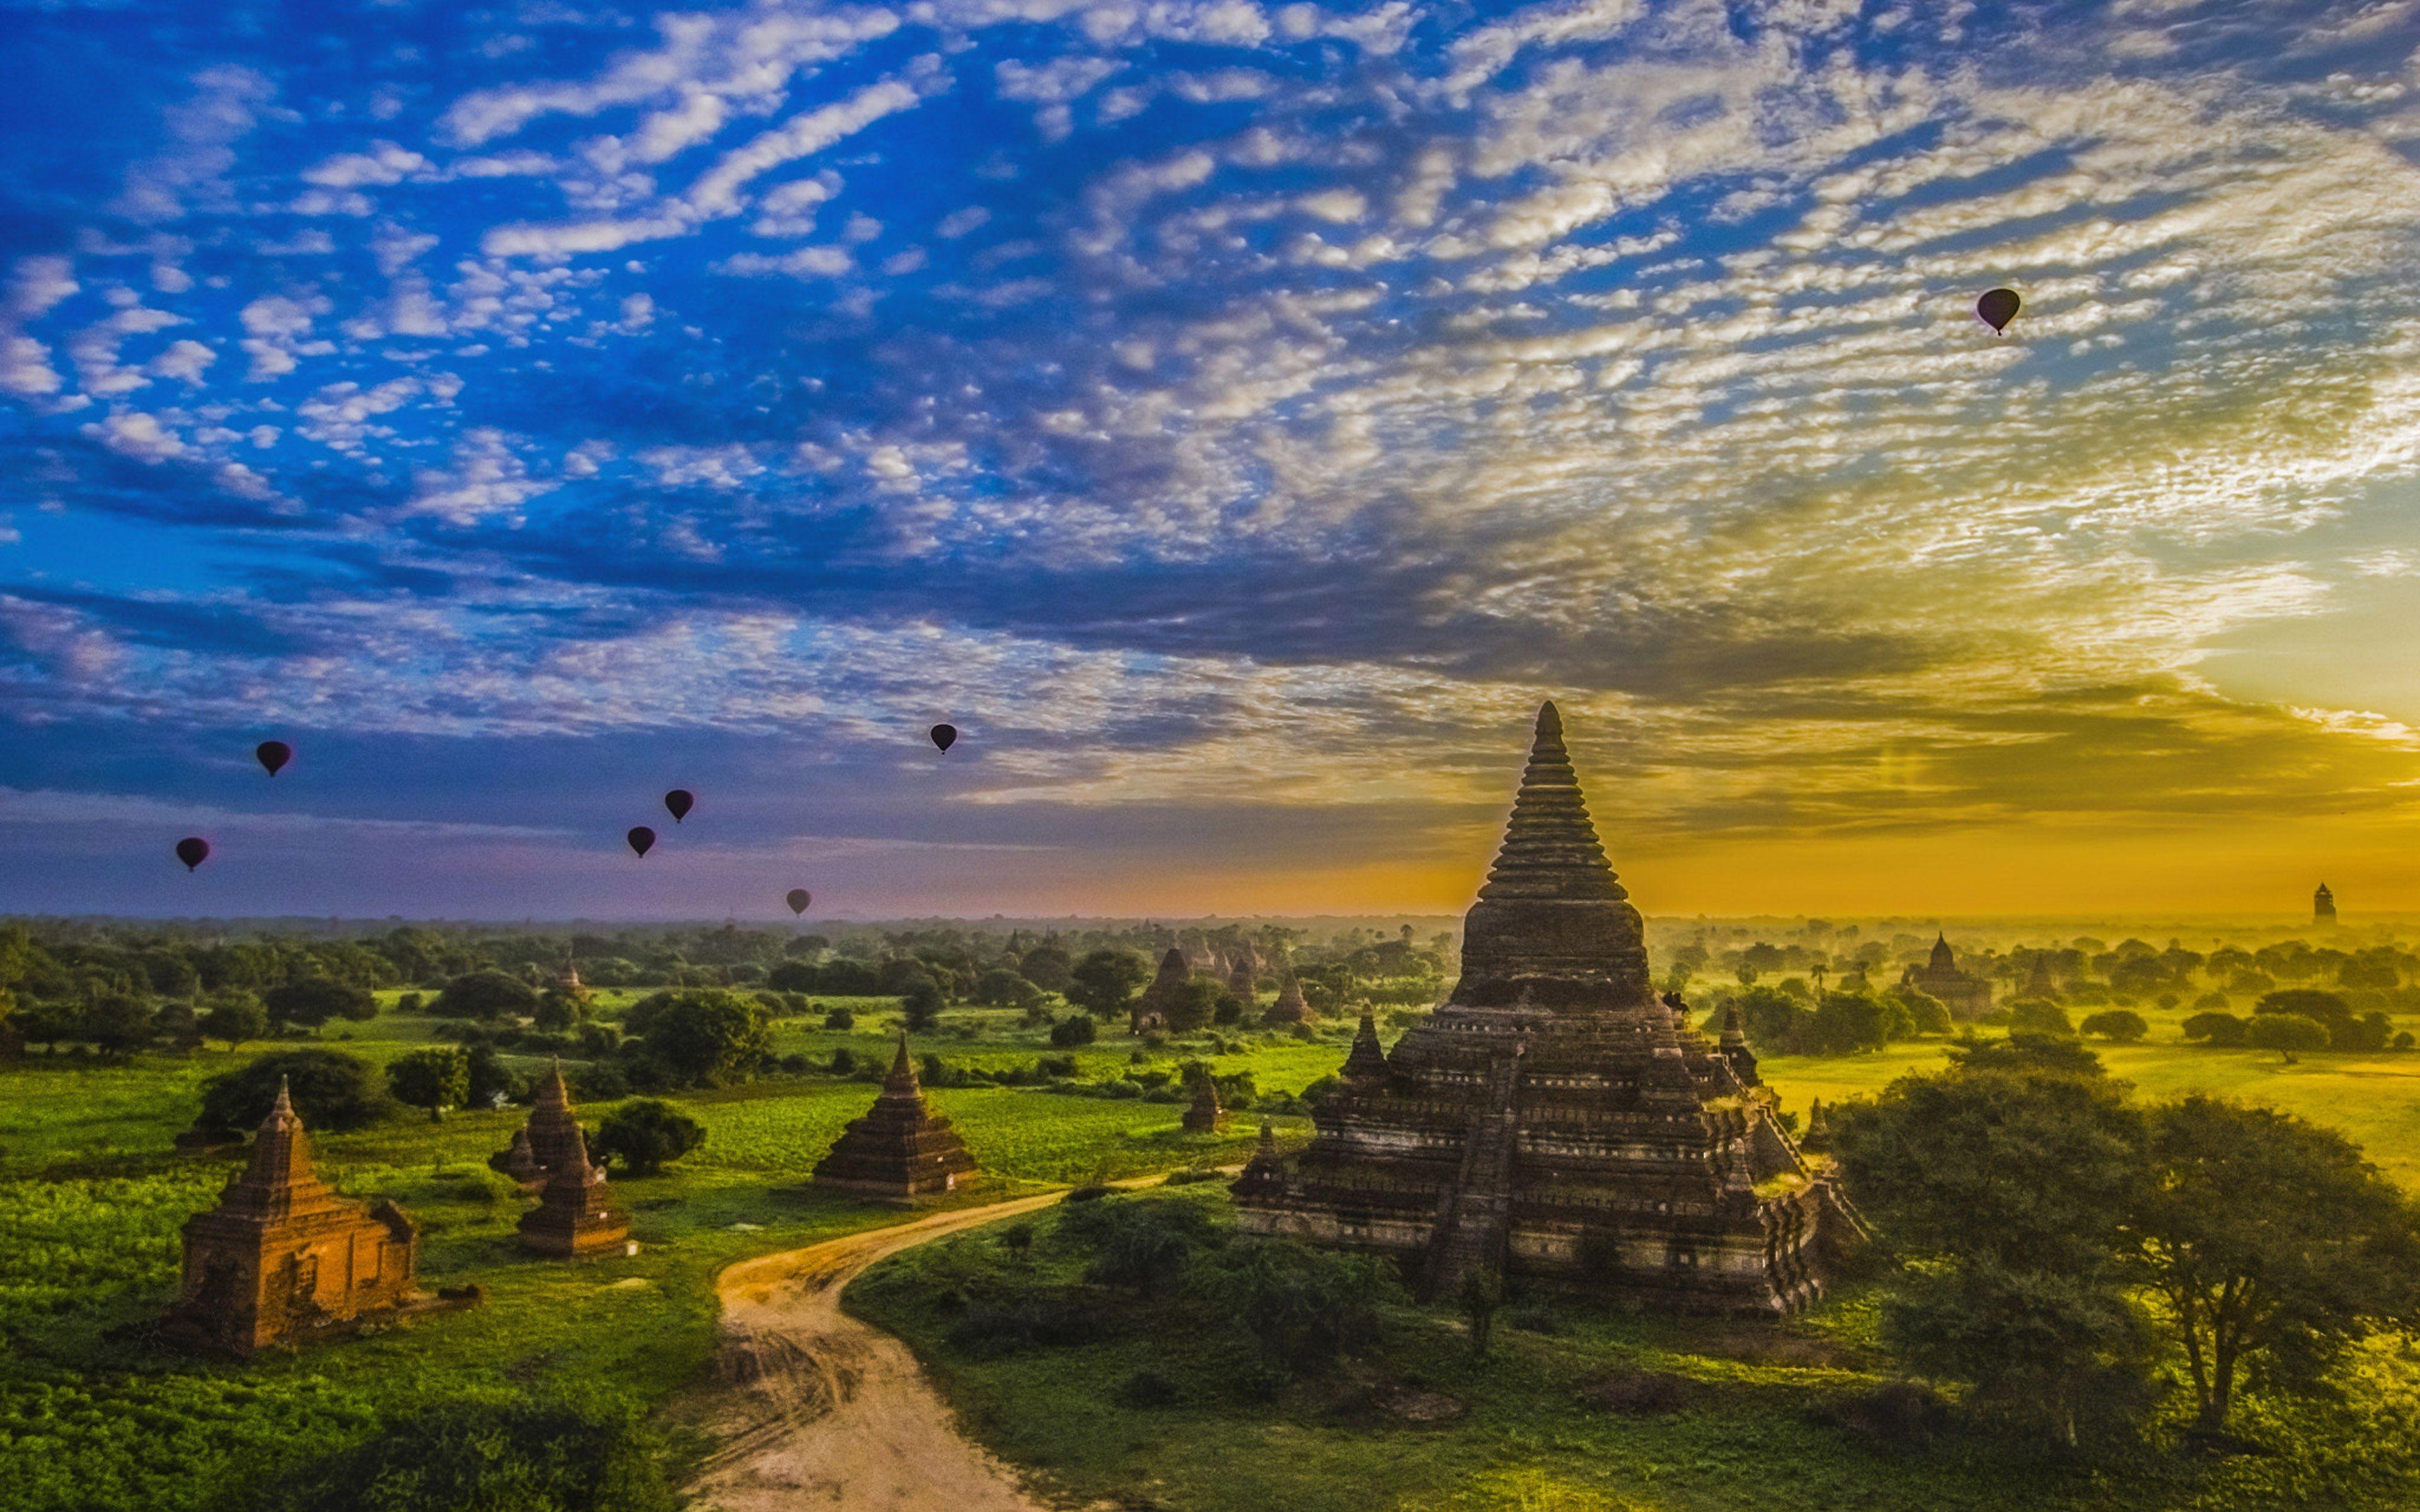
1234 418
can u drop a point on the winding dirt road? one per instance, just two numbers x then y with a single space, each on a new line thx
825 1411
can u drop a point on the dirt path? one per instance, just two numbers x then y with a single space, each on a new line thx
828 1413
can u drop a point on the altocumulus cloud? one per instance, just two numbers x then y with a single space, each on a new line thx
1228 405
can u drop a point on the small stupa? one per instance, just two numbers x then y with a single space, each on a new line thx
283 1258
1206 1115
575 1215
1556 1119
2039 981
547 1140
901 1150
1150 1011
1290 1008
1241 980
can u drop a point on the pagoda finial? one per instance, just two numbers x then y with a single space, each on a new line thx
903 1069
284 1107
1550 846
1367 1057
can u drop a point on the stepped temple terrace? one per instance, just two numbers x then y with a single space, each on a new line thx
1555 1118
901 1150
282 1257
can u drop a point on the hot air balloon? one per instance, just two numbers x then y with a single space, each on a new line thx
945 736
643 840
680 801
274 754
193 850
1997 308
797 900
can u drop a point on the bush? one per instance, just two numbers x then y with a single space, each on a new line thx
645 1135
839 1018
921 1003
436 1078
332 1091
311 1001
2033 1015
1305 1307
485 1457
1075 1029
2123 1025
486 995
1148 1389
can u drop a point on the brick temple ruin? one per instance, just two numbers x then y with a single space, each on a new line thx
576 1215
901 1150
1555 1118
282 1257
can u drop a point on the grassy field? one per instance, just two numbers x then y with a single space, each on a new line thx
91 1198
1735 1418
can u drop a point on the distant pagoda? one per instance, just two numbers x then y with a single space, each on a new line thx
1555 1118
2323 907
1204 1115
1150 1009
547 1140
1290 1008
901 1150
574 1216
1966 997
283 1258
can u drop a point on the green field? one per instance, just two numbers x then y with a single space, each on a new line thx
91 1198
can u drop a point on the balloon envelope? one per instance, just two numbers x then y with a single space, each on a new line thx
643 840
193 850
1998 308
274 754
945 736
680 801
799 900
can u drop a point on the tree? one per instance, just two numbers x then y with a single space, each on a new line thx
1192 1005
920 1004
334 1091
119 1023
311 1001
2034 1016
235 1017
707 1036
2215 1028
646 1134
560 1455
436 1078
1847 1023
486 995
559 1010
2273 1243
2123 1025
1048 967
1926 1013
2285 1033
1104 982
1002 987
2004 1191
492 1082
2310 1002
1075 1029
46 1024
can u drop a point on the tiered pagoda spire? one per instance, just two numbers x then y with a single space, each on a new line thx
546 1141
1206 1115
1553 1118
1291 1007
575 1215
901 1150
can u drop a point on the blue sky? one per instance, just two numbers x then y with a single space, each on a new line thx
1233 417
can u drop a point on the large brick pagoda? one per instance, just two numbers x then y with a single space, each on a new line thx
901 1150
1555 1118
283 1258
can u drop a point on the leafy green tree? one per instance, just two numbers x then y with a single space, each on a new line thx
47 1023
2285 1033
1075 1029
1048 967
119 1023
645 1134
2033 1015
334 1091
920 1004
1303 1308
1104 982
235 1017
486 995
2004 1194
308 1002
2310 1002
1846 1024
2273 1243
1776 1023
2220 1030
559 1010
1926 1013
436 1078
491 1081
2123 1025
839 1018
705 1036
481 1456
1002 987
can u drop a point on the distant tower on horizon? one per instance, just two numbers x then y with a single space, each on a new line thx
2324 906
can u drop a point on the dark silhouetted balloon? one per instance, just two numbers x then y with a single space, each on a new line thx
680 801
945 736
274 754
799 900
193 850
1998 308
643 840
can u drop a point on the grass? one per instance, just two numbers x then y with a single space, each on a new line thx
1747 1433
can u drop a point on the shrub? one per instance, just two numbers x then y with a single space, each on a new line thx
1148 1389
333 1092
1305 1307
1075 1029
543 1457
2033 1015
436 1078
839 1018
1002 987
646 1135
920 1004
2122 1025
